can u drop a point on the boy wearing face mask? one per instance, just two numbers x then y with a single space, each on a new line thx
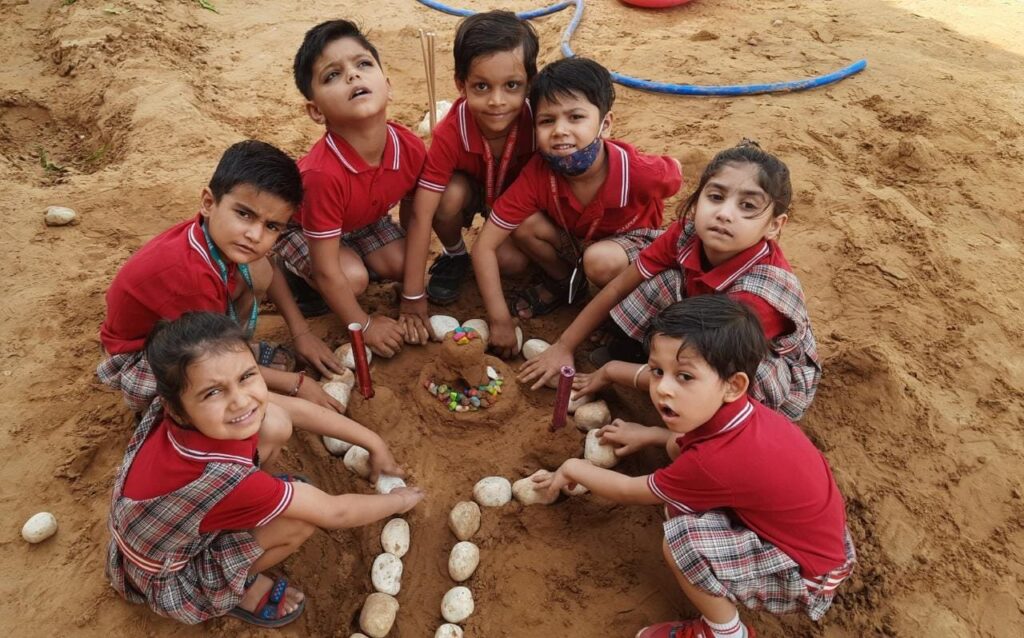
582 209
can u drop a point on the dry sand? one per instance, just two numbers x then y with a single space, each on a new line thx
906 232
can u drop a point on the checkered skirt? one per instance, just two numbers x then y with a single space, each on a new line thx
293 248
130 373
157 555
632 241
730 561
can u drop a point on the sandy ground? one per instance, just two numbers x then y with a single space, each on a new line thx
906 233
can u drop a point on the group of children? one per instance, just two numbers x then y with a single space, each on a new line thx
705 315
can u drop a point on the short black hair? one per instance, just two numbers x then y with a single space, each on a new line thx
574 75
313 46
494 32
172 346
260 165
726 333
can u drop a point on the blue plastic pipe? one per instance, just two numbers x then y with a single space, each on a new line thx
667 87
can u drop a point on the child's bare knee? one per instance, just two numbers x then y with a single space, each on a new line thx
457 195
277 426
603 263
358 277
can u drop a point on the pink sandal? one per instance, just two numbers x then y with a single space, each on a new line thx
696 628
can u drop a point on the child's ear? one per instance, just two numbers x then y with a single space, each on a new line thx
461 86
736 386
313 111
206 202
606 125
775 227
388 81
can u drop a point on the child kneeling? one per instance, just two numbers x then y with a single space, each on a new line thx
755 516
194 520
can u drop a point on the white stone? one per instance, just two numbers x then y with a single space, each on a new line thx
480 326
578 400
440 110
463 561
59 216
386 574
337 447
344 352
592 416
534 348
457 604
378 615
493 491
40 527
394 538
523 490
598 453
519 338
448 630
464 520
340 392
358 636
346 376
578 490
492 373
441 325
387 483
357 459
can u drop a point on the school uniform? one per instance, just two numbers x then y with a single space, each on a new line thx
348 200
176 497
755 515
628 208
760 276
457 145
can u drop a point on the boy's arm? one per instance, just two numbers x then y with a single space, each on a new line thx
413 312
618 488
309 346
547 365
628 437
329 511
488 278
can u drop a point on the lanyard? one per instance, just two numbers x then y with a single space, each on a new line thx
244 270
561 219
494 185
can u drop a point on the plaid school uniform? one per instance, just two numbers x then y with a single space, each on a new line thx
130 373
730 561
293 247
788 378
158 556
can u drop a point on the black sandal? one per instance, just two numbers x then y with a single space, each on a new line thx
558 289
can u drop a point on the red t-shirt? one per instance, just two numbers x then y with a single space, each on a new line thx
664 253
458 145
343 193
755 463
171 275
630 198
172 457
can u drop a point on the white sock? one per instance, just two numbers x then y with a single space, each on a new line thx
456 250
732 629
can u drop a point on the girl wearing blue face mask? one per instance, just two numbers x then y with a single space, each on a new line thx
582 209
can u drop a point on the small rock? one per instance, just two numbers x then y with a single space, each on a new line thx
524 492
534 348
386 574
463 561
337 447
344 352
457 604
387 483
492 491
394 538
378 614
464 520
578 490
448 630
576 401
777 23
59 216
357 459
592 416
39 527
346 376
340 392
598 453
441 325
480 326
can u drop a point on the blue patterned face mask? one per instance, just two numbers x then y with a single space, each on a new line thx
575 163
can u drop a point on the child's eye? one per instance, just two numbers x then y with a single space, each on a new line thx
480 86
715 197
273 227
684 376
330 76
657 373
544 121
211 393
244 214
364 63
514 84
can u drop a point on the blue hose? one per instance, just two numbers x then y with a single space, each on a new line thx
667 87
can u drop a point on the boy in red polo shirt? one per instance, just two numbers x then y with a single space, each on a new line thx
361 168
476 151
581 188
755 516
216 262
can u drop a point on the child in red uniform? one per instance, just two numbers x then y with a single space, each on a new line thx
360 169
580 188
723 243
218 262
476 151
194 521
755 517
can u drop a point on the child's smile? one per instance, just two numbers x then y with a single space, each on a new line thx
495 90
565 126
226 398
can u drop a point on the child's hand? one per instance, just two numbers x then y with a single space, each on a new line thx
314 393
312 349
551 483
384 336
627 437
382 462
412 315
411 496
591 383
503 338
547 366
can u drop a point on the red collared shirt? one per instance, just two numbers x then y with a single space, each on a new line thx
755 463
458 145
630 198
343 193
172 457
665 253
170 275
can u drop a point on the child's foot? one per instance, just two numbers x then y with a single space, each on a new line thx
270 603
446 276
695 628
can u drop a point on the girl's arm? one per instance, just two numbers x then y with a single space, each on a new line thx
618 488
309 346
623 373
329 511
488 278
547 365
283 383
413 314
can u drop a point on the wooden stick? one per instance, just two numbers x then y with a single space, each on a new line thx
424 49
431 83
